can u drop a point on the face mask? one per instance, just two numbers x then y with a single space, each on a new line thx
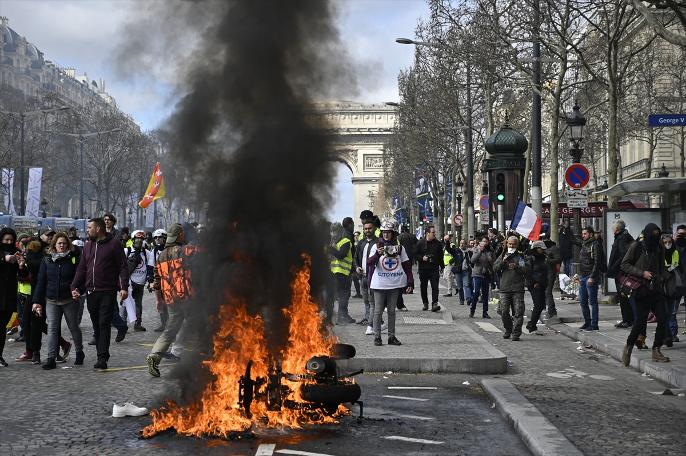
668 245
511 250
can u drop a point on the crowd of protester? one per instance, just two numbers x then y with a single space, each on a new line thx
500 268
49 275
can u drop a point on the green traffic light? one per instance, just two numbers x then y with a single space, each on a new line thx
501 197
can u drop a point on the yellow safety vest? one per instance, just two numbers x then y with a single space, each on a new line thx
675 259
345 265
377 232
447 257
24 288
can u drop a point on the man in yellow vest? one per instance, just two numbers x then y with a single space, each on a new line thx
341 261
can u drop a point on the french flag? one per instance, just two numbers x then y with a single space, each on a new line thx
526 222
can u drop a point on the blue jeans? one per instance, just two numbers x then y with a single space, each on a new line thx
482 286
467 285
588 294
672 310
567 266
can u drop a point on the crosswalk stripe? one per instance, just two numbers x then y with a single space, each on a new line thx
488 327
406 398
412 388
416 417
265 449
409 439
301 453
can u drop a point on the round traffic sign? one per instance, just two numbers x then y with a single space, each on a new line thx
577 175
458 219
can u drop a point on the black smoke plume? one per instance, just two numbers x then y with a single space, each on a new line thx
245 144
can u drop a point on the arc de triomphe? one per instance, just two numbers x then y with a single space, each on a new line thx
361 132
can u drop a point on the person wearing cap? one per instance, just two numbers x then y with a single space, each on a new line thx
159 237
389 272
537 282
512 267
173 279
45 236
101 273
141 265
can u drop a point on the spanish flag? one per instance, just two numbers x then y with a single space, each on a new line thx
155 188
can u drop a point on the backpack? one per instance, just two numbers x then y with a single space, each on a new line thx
458 262
602 259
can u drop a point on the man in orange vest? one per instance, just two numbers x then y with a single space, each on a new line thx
173 279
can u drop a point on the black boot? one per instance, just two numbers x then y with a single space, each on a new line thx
50 364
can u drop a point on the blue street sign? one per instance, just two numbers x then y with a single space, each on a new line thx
577 175
667 120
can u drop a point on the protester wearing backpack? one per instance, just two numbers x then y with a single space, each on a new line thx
141 264
591 266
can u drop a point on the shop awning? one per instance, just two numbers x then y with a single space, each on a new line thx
648 185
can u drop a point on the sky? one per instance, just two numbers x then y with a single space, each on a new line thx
83 34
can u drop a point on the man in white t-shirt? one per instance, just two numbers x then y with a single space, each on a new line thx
141 263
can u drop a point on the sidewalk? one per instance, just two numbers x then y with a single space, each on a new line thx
611 341
431 342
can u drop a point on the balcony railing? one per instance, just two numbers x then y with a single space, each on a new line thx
635 170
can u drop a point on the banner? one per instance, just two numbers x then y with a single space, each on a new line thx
33 195
155 188
8 191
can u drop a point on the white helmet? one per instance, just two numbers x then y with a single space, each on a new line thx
389 225
159 233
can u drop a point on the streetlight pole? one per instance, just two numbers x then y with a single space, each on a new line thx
536 191
469 146
23 115
82 138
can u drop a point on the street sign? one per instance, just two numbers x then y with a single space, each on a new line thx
458 219
577 175
667 120
483 202
577 199
484 215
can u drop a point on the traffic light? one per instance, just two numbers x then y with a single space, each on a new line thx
500 187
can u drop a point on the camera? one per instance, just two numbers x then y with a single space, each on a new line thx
391 250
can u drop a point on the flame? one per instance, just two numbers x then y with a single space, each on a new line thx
240 339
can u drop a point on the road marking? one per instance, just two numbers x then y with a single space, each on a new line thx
265 449
115 369
408 439
412 387
406 398
416 417
145 345
301 453
488 327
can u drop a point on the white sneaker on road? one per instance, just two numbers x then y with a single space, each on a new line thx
128 409
369 331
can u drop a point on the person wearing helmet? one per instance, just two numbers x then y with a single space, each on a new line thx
141 265
159 238
389 272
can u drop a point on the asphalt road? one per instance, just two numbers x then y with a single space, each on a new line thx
67 411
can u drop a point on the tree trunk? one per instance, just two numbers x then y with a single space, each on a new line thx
612 140
682 152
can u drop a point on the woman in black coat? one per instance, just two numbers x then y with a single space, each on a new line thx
12 265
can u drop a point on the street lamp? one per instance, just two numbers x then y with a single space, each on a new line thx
576 122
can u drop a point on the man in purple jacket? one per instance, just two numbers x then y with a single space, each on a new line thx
102 271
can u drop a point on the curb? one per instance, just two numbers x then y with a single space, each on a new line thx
672 375
535 430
